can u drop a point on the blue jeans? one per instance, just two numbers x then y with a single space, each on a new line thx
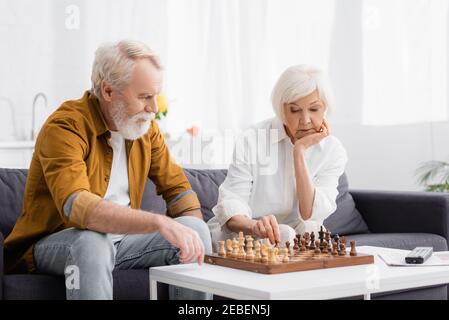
87 259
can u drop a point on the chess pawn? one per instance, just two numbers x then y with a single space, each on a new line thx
221 249
258 256
241 253
270 252
334 249
249 248
317 246
273 255
235 248
314 244
328 237
257 244
353 252
276 255
298 238
337 241
325 248
249 253
263 249
307 238
295 246
342 249
229 247
312 240
264 256
303 245
287 245
285 258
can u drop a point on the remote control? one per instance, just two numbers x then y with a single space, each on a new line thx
419 255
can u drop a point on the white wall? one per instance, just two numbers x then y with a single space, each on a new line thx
385 158
379 157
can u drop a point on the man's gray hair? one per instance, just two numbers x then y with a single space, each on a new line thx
114 62
297 82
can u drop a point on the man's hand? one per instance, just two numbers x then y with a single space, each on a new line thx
184 238
267 227
304 143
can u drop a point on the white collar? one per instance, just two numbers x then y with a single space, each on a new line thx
277 124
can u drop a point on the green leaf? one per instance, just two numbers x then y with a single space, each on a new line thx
434 175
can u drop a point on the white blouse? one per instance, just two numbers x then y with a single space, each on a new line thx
261 178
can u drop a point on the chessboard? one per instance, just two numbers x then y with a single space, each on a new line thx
306 254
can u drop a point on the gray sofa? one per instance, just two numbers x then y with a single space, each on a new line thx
390 219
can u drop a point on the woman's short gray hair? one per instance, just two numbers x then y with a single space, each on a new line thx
114 62
297 82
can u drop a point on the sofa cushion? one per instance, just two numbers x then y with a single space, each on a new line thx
405 241
151 201
346 219
12 186
206 183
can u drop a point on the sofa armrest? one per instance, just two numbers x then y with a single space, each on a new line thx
402 212
1 266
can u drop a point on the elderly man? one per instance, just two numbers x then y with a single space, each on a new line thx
86 181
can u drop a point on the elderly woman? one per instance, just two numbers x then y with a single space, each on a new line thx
284 175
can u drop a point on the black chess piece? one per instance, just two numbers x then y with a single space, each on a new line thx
337 240
306 238
312 240
334 249
328 236
321 236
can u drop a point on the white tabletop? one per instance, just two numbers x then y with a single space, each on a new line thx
315 284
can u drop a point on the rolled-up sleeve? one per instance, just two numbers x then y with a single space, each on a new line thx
234 193
326 184
61 151
169 177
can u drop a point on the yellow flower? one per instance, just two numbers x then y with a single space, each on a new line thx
162 104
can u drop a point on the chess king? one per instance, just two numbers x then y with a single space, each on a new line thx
278 187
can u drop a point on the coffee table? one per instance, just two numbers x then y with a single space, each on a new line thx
333 283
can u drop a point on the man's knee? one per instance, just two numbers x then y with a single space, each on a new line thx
200 227
92 248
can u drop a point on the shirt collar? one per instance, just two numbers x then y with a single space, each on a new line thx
278 125
94 107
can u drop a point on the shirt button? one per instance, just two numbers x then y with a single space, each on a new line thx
106 178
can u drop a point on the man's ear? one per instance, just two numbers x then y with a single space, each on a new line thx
106 91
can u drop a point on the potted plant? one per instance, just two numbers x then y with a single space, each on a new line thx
434 175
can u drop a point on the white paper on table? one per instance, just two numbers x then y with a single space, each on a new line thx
440 258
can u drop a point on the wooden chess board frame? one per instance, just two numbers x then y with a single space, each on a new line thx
318 261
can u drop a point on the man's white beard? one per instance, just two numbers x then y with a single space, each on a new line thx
130 128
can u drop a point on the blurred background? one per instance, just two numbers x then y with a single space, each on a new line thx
387 61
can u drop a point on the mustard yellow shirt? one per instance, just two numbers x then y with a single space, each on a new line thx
72 154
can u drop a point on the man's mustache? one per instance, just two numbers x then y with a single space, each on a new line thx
144 116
